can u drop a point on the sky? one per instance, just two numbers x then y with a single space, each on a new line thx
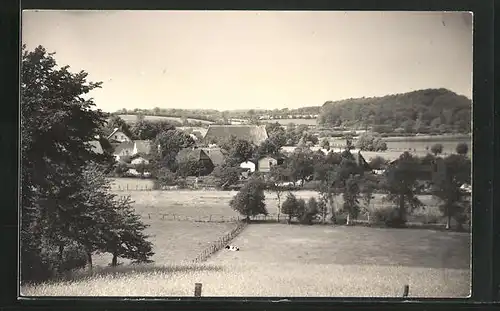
229 60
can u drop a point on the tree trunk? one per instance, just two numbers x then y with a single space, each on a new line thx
289 219
448 221
114 261
402 210
348 222
279 206
89 260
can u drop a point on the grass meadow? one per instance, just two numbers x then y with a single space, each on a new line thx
274 259
201 205
307 261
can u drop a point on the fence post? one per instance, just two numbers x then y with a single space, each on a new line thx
210 219
406 290
222 218
149 215
162 216
197 289
174 216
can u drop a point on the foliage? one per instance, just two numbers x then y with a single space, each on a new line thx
401 184
65 199
351 195
170 142
462 148
250 200
437 149
388 216
226 176
164 177
370 142
419 111
310 210
120 169
325 144
378 163
292 207
300 164
454 201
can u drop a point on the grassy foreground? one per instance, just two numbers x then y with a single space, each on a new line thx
282 260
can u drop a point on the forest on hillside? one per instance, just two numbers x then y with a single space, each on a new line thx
421 111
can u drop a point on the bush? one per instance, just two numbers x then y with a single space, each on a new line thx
389 217
73 258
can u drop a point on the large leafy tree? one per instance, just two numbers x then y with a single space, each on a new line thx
59 206
167 145
116 122
402 184
448 187
250 200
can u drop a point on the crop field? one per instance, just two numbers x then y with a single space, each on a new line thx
130 118
214 205
295 121
301 261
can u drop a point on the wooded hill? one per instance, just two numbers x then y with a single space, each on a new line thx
418 111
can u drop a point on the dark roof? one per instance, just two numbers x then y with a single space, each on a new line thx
125 145
217 155
253 133
143 146
360 160
191 154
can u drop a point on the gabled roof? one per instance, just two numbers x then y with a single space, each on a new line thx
114 132
217 155
125 145
360 160
96 147
143 146
191 154
256 134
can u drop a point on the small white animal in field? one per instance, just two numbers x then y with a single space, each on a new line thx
232 248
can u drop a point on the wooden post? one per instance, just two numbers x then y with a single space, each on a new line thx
197 289
406 290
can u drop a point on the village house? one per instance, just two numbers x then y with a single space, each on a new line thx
255 134
265 163
195 155
142 146
139 159
216 155
118 136
125 149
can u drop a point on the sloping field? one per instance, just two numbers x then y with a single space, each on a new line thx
295 121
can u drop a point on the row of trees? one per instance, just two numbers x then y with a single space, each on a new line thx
67 211
339 175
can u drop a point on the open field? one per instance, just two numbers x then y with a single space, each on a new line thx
199 204
131 183
176 242
302 261
130 118
295 121
419 143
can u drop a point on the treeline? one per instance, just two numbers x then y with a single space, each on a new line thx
222 117
422 111
339 174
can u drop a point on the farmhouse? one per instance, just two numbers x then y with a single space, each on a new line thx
248 165
265 163
189 156
119 136
142 146
216 155
139 159
255 134
123 150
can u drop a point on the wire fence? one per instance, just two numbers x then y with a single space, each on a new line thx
364 220
221 242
